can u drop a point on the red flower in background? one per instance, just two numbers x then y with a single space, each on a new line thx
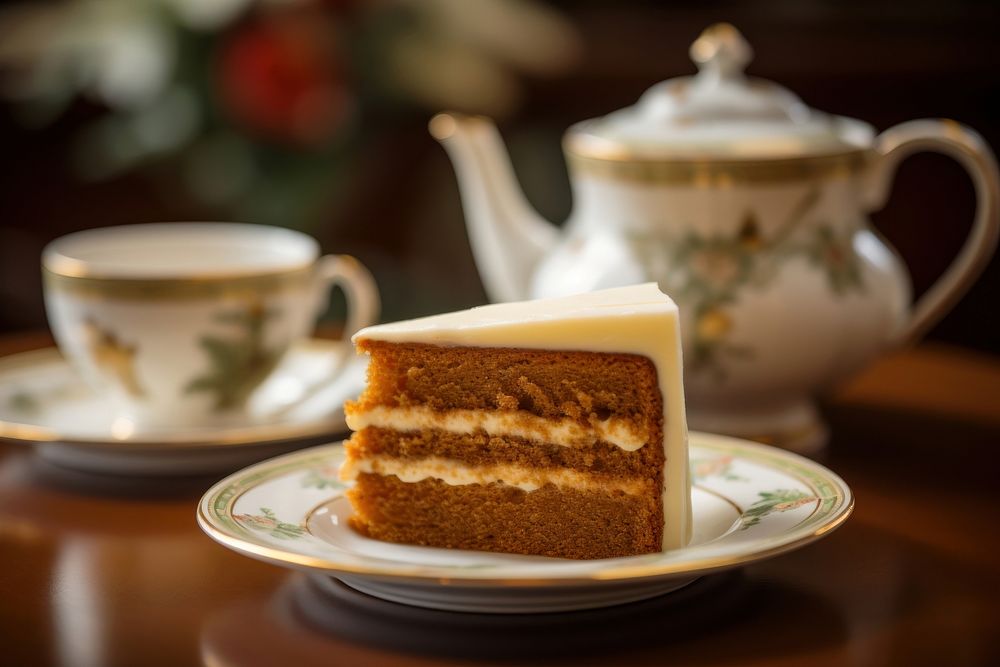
280 75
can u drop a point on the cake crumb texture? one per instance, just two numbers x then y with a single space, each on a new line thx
593 520
580 385
550 521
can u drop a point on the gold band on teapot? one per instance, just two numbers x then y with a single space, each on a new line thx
585 160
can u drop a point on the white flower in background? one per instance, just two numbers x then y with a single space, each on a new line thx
469 54
464 54
118 51
118 142
121 52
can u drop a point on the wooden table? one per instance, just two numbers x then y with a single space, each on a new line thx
108 571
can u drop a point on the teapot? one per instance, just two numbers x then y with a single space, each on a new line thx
750 210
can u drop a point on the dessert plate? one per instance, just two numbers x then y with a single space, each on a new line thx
749 502
43 401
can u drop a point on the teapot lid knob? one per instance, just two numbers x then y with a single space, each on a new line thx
721 51
718 114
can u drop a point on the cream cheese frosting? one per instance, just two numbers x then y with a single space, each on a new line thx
454 473
567 432
639 319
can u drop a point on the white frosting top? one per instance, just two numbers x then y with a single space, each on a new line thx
519 324
639 319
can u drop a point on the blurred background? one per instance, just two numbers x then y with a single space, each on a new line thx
312 114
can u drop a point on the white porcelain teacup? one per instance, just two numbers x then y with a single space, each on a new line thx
179 322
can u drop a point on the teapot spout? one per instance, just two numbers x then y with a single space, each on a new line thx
508 237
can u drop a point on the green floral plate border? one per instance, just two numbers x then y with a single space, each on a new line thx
750 502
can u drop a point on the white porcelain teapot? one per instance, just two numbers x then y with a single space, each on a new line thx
750 210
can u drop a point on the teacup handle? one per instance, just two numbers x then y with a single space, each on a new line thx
350 275
971 151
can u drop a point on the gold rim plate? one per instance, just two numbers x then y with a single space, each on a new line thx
751 502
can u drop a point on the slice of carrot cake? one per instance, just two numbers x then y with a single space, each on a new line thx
552 427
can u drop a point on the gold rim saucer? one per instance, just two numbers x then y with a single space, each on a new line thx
191 438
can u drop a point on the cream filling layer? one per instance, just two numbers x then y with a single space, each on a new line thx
458 474
566 431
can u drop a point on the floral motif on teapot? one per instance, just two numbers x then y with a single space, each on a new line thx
711 272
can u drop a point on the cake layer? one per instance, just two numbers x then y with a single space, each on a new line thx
482 449
524 478
564 431
610 357
584 386
551 521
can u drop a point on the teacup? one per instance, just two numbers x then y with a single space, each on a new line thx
179 323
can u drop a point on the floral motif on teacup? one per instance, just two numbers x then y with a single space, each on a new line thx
114 358
237 364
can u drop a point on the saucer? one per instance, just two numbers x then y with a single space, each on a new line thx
43 401
749 502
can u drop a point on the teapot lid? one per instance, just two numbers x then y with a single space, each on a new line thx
718 114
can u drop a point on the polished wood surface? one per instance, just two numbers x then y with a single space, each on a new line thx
104 570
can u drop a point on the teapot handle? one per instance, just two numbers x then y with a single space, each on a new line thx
969 149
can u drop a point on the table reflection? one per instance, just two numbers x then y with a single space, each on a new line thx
119 559
310 621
